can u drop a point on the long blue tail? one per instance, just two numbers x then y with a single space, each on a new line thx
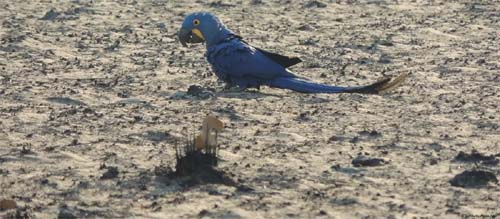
305 86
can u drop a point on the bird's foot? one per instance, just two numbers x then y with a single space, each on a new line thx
229 88
199 91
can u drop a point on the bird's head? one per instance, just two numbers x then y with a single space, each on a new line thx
202 27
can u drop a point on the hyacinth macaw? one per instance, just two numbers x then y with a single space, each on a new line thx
237 63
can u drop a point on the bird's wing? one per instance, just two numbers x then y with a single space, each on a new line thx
239 60
285 61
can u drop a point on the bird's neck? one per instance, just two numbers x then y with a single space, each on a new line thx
221 36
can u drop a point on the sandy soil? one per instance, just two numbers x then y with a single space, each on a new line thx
93 100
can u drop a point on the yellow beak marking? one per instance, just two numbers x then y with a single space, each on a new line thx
198 33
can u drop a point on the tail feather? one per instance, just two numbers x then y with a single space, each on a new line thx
304 86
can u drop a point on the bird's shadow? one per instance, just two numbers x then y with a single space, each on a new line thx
245 95
197 91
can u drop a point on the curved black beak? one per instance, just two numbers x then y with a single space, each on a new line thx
187 36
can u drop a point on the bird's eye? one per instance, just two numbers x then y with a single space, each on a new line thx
196 22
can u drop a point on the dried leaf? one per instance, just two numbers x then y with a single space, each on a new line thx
213 123
6 204
207 138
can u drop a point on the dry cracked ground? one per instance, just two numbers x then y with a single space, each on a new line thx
93 99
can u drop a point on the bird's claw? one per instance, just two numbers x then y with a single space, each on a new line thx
229 88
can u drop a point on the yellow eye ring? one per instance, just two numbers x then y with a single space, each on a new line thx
196 22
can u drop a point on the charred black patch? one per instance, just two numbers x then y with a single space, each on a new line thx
198 167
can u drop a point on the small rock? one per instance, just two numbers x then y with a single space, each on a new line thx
343 201
219 4
203 213
309 42
127 29
26 149
161 26
113 47
361 161
88 111
242 188
433 161
354 140
50 15
257 2
386 43
65 213
480 61
384 60
306 27
333 138
44 181
83 184
315 4
123 94
373 133
436 147
112 172
74 142
303 116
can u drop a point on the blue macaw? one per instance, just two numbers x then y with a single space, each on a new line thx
237 63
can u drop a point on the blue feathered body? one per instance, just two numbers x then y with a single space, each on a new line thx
237 63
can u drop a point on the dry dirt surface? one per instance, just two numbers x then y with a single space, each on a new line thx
93 98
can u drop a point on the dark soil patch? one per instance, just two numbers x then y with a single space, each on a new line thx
363 161
473 179
476 157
